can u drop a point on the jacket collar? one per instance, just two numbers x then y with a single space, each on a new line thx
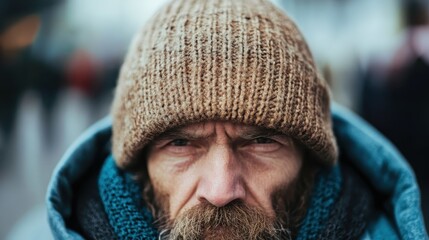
371 154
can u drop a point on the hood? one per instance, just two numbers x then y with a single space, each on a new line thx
371 154
388 173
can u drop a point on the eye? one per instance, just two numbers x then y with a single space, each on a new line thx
181 147
263 145
263 140
179 143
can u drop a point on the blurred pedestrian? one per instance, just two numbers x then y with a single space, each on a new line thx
16 35
395 97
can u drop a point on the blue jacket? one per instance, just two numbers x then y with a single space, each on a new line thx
373 156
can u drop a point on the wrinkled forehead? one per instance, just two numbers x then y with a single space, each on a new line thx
210 129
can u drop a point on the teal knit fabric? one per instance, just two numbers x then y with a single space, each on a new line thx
121 197
326 191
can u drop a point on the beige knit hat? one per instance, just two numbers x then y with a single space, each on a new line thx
235 60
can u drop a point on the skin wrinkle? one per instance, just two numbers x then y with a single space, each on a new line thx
170 205
305 184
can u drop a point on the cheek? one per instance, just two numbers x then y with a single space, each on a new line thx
287 174
269 181
172 190
161 198
160 185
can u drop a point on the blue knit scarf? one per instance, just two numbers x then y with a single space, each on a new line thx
121 197
122 201
325 193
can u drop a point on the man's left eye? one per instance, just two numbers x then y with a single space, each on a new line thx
263 140
179 142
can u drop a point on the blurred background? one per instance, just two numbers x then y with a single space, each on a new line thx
59 60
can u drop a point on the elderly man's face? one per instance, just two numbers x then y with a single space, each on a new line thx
210 173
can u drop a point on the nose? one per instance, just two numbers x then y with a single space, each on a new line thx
221 181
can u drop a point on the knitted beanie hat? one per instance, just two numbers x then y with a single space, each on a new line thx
232 60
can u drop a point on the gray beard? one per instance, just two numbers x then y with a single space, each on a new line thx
281 234
235 221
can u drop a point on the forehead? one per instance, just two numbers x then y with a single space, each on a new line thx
212 127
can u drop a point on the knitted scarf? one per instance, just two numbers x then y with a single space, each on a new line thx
122 200
326 216
326 191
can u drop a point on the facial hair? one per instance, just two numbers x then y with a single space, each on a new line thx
236 220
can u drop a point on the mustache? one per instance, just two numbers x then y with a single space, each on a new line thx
233 221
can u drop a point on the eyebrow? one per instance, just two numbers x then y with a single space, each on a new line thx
179 133
250 133
247 133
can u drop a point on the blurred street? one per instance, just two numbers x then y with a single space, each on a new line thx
31 156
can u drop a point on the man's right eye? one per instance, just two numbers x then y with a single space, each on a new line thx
179 142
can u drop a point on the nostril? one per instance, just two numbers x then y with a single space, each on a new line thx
202 199
220 201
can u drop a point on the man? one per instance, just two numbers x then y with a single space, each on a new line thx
221 129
